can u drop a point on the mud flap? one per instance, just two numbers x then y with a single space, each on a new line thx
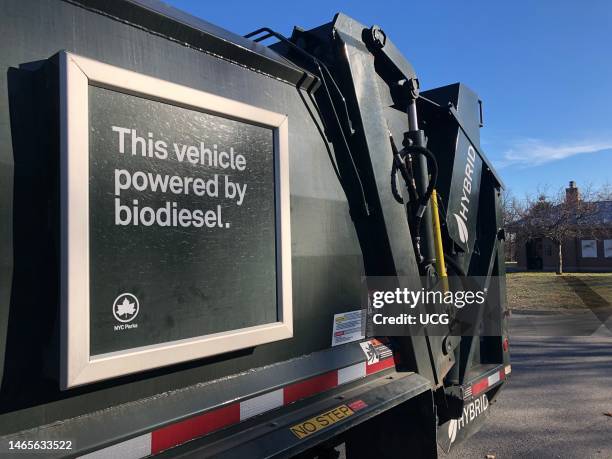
472 419
408 430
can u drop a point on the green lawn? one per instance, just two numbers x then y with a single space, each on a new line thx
599 282
548 291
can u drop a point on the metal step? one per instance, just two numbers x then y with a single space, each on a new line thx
302 425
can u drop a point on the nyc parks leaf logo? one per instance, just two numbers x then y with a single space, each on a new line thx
126 307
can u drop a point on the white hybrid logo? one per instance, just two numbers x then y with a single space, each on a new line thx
462 218
470 412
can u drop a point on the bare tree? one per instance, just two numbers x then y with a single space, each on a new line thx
556 217
511 212
604 193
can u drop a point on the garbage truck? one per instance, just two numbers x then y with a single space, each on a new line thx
191 220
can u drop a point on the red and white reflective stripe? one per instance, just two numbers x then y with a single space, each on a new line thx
352 373
194 427
134 448
380 365
495 377
183 431
261 404
488 381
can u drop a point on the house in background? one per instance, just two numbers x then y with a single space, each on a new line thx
578 254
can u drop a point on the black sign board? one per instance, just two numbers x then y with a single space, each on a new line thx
176 225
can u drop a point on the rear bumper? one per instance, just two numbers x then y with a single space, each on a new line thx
297 427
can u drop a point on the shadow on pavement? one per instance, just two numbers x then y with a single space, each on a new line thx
553 404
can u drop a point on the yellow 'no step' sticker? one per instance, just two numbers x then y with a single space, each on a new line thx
321 421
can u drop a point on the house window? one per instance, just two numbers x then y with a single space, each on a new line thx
589 248
608 248
548 250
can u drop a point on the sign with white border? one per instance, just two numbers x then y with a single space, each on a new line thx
78 365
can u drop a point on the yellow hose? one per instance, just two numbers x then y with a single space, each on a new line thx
440 265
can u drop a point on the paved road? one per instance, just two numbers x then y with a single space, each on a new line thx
553 406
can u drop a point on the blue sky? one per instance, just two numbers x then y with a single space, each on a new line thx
542 68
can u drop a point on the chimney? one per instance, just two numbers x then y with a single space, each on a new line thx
572 194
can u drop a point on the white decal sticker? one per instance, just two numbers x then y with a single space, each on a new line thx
375 351
347 327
